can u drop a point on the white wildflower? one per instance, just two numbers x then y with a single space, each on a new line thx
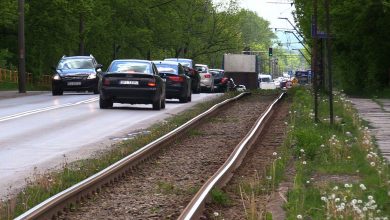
302 151
275 154
372 164
304 162
216 214
299 216
362 186
370 197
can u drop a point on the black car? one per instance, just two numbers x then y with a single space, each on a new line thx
178 84
220 81
76 73
189 67
132 82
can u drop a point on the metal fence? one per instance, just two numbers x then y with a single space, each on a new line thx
13 76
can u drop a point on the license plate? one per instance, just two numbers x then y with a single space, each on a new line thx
122 82
74 83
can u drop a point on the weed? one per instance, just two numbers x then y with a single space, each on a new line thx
219 197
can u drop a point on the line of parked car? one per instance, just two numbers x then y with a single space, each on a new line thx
134 81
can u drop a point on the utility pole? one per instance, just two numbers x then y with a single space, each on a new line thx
314 59
22 51
329 59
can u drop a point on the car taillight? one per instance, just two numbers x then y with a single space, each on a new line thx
224 80
176 78
152 83
106 82
207 75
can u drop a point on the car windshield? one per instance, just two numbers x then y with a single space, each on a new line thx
75 64
167 68
201 69
130 67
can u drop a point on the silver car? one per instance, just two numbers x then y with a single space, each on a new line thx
206 78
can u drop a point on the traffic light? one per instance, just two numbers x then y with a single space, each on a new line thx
270 51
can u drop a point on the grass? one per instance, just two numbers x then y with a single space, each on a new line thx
345 148
44 186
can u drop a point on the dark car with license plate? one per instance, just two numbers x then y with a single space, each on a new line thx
178 84
189 67
76 73
220 81
132 82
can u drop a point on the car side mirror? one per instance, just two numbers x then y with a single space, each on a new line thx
99 66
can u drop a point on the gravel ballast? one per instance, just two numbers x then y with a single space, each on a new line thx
161 187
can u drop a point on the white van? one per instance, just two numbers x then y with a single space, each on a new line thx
266 82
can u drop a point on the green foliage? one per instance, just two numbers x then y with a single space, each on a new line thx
345 151
149 29
219 197
360 45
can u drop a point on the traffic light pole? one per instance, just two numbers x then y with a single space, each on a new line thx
21 46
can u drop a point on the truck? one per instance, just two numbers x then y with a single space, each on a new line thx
242 68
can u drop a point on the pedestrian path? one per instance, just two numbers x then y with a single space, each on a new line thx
14 94
378 117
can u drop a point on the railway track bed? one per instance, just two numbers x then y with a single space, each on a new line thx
164 185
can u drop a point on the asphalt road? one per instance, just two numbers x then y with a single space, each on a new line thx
42 132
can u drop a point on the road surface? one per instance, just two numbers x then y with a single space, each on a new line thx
40 132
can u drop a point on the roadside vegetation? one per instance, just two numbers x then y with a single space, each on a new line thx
340 173
43 186
333 172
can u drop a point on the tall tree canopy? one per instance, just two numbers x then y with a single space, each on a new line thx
361 42
144 29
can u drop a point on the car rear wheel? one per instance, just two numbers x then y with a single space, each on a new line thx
197 89
157 104
163 104
189 98
105 103
96 91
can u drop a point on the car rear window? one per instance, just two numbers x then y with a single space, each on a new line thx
167 68
201 69
130 67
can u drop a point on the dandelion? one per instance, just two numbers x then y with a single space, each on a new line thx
304 162
216 214
299 216
337 200
364 209
302 151
322 145
308 181
335 188
370 197
275 154
348 133
323 198
359 201
362 186
372 164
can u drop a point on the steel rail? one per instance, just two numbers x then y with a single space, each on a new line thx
195 208
55 205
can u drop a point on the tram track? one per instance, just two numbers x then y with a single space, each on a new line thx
160 185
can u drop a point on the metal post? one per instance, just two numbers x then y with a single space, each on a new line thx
314 60
329 59
21 46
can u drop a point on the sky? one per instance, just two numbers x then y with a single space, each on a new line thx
271 10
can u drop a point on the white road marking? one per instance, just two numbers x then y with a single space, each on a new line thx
35 111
